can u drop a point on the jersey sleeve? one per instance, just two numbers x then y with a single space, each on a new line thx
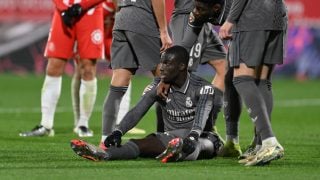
204 107
237 7
132 118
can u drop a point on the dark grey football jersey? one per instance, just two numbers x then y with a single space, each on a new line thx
136 16
187 108
252 15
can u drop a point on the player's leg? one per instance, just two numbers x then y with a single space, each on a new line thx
124 108
124 65
219 65
75 88
50 94
118 87
244 81
60 44
87 96
232 111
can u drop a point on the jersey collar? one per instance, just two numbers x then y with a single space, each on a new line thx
185 86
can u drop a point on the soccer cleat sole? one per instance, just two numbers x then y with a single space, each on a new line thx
82 149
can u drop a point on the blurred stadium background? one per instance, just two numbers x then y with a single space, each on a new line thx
24 27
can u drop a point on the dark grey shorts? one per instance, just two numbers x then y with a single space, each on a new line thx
256 48
133 50
207 47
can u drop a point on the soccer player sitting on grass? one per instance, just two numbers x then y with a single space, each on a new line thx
186 113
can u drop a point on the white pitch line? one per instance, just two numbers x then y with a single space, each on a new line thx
279 103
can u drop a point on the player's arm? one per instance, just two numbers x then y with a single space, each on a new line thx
160 13
132 118
236 9
204 107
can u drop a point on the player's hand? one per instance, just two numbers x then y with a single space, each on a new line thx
69 15
75 10
162 90
225 31
67 19
113 139
190 143
165 41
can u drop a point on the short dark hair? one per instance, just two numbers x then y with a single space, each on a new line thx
178 53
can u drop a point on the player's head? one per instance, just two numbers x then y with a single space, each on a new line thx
174 63
208 9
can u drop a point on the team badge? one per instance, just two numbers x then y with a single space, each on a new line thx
188 102
96 36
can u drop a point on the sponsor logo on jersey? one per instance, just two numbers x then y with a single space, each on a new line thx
96 36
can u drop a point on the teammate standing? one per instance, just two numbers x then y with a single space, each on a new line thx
186 110
257 30
72 22
139 35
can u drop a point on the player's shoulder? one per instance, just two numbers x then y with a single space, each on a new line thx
198 81
202 85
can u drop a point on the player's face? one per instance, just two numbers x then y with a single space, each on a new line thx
204 10
169 71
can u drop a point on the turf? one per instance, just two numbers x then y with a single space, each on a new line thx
295 121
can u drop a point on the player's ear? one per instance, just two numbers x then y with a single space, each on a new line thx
216 8
182 66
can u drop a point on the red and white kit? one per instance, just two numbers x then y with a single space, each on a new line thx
87 31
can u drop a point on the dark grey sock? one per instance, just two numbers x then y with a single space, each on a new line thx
265 88
217 104
129 150
232 106
111 108
255 103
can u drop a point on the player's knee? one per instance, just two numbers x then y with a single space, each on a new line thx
217 144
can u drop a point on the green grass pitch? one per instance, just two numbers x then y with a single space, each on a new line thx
296 122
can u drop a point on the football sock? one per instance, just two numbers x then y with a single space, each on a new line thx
75 88
111 108
265 88
124 104
233 139
232 106
217 104
256 106
129 150
270 141
87 94
50 94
